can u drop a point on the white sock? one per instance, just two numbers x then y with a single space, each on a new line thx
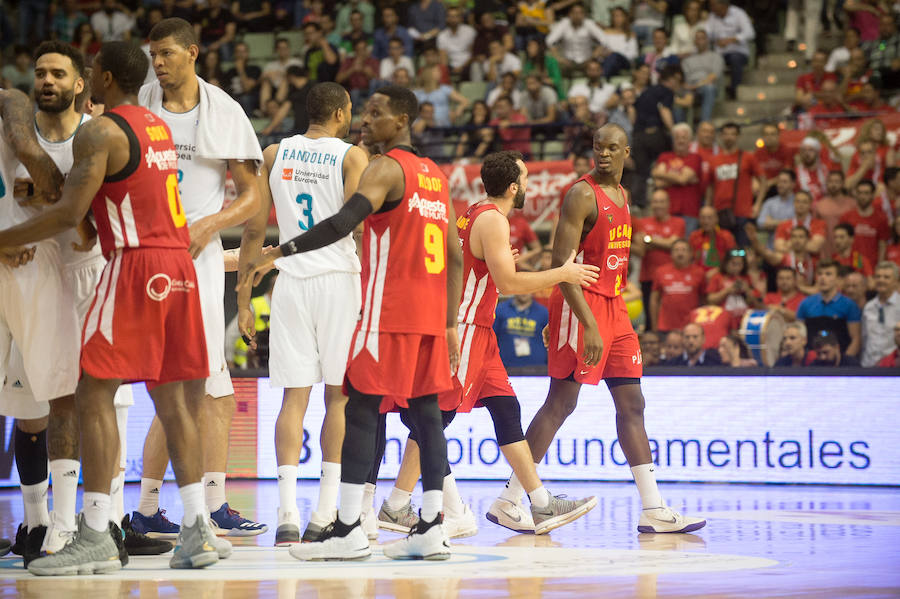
431 505
214 485
287 489
453 503
64 474
329 482
351 502
398 498
122 426
514 490
35 499
368 500
540 497
645 480
117 498
149 503
96 510
192 499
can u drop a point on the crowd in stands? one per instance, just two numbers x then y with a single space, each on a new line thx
725 223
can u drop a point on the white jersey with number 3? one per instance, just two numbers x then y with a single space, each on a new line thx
307 183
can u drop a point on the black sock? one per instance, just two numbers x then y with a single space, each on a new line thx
31 456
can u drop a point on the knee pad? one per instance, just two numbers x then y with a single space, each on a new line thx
31 456
507 417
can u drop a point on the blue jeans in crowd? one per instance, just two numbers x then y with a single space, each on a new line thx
736 63
614 64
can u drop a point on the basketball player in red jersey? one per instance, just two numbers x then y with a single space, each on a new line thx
144 323
591 337
406 339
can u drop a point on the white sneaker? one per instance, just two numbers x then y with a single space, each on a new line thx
513 516
339 542
665 519
223 546
288 530
560 511
426 541
369 523
58 535
459 526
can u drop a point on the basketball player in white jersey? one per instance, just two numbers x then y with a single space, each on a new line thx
59 70
35 312
316 300
213 137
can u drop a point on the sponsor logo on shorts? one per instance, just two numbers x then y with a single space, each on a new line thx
287 174
161 285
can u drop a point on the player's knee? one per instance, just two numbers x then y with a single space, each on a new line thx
561 405
631 406
507 417
361 414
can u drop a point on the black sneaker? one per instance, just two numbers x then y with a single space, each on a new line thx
119 539
313 533
140 544
5 546
21 536
33 544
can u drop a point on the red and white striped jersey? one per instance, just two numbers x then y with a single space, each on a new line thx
140 206
479 299
404 262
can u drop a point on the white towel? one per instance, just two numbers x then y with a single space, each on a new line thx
224 132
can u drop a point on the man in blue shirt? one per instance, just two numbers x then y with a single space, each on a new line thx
390 29
518 325
829 310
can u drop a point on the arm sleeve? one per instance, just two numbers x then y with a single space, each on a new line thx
332 229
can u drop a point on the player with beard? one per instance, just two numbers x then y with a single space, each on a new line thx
591 337
59 78
481 381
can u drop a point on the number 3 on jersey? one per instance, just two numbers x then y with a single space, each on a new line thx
305 200
175 206
434 249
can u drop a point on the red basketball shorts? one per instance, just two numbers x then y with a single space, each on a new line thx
398 366
621 356
481 372
144 323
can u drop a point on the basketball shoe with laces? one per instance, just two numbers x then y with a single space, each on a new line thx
427 541
560 511
338 542
230 523
58 535
195 548
665 519
513 516
90 552
401 520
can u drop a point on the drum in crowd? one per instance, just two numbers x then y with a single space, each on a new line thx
762 330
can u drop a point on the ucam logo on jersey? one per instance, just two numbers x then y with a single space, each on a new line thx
435 210
165 160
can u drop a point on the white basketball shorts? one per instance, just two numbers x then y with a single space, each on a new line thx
210 267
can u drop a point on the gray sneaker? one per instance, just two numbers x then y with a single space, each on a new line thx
195 547
223 546
402 520
90 552
313 532
560 511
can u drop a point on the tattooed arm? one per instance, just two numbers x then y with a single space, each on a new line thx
18 128
94 142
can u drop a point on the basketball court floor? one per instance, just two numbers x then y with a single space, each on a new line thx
761 541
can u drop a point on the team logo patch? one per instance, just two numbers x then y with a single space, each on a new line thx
287 174
609 217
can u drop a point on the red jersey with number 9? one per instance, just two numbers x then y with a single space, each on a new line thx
140 207
609 242
404 264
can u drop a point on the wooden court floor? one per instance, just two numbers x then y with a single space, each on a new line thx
761 541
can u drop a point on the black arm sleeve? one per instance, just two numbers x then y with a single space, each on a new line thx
332 229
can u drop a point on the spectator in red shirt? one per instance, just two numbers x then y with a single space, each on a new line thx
887 195
829 106
892 360
709 244
870 225
892 251
812 169
773 157
732 288
716 323
787 298
523 238
855 74
677 289
802 218
865 164
358 72
653 239
733 174
810 84
679 172
794 255
869 100
517 139
844 252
